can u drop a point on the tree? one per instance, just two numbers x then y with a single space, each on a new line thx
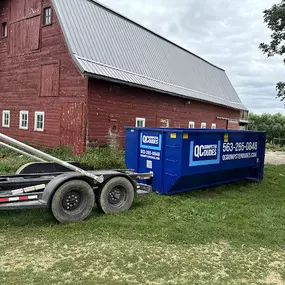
274 125
275 21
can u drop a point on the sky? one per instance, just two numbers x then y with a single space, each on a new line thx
227 33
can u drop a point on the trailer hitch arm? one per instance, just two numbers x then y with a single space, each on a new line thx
35 152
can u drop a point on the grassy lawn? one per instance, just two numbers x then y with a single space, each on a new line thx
232 234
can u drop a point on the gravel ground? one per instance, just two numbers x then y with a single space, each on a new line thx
275 157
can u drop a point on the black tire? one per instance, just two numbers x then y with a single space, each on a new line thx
116 196
72 202
97 200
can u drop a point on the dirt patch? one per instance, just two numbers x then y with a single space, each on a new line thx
275 157
132 262
273 278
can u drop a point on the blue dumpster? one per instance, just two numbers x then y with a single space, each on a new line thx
187 159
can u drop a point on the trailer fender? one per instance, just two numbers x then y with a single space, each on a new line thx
46 167
55 183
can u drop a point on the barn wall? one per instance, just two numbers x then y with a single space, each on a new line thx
37 73
112 107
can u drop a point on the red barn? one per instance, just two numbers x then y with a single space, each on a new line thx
74 72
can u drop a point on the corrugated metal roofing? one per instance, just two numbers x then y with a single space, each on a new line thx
104 43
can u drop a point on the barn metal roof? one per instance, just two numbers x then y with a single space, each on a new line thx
105 44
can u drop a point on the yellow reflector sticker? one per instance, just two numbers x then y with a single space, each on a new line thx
173 136
226 138
185 136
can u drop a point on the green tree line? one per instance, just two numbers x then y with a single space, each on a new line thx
274 125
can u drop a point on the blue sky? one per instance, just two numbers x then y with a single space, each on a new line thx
226 33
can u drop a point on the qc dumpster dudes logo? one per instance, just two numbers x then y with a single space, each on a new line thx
150 141
150 147
204 154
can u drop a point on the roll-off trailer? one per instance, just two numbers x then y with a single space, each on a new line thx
67 188
170 161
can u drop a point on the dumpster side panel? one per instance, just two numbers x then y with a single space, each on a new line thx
184 159
151 149
203 180
132 148
214 151
172 160
220 157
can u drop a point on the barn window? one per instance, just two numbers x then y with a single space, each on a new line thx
47 16
140 122
24 120
6 119
214 126
165 123
4 30
203 125
39 121
191 125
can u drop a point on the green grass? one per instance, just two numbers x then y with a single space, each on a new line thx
273 147
99 158
232 234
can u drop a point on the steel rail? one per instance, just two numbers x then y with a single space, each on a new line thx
34 151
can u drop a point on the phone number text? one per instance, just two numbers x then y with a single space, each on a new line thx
240 146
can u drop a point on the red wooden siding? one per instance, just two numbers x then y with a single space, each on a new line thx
50 137
73 126
233 125
33 7
50 80
37 73
17 11
17 38
124 104
33 33
24 35
4 15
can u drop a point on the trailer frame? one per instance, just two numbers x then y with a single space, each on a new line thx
67 188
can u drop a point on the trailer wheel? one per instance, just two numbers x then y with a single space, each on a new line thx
116 196
72 202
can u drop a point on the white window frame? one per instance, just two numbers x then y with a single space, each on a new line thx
140 120
214 126
47 16
4 113
21 120
36 122
191 125
203 125
4 30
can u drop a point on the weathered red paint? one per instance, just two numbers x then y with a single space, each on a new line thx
50 80
233 125
17 10
123 106
73 126
33 8
37 73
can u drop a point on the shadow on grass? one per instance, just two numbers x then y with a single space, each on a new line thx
216 191
43 217
34 218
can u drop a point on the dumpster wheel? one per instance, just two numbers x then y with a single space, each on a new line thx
116 196
73 201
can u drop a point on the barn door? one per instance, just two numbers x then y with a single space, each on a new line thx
73 127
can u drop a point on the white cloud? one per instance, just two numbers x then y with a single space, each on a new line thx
224 32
